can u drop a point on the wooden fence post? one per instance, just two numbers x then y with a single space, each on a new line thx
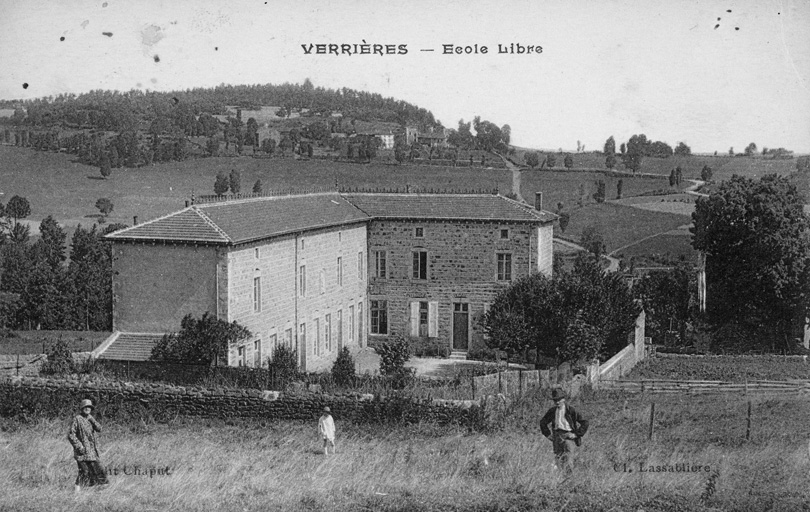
17 367
748 423
472 385
520 382
652 419
499 380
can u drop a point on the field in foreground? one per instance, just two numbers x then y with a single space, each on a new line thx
258 465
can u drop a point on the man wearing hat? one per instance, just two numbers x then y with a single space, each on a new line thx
567 429
82 436
326 429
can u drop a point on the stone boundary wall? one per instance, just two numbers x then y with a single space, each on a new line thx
38 396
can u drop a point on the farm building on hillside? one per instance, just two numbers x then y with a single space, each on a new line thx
318 272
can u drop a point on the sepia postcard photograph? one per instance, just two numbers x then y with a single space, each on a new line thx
482 255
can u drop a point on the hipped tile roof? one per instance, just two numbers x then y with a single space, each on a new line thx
481 207
240 221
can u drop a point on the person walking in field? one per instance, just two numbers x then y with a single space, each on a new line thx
82 437
567 429
326 429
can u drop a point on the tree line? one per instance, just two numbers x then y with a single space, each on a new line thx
44 287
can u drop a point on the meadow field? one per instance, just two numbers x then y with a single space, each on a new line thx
246 465
723 166
55 185
670 246
563 186
621 225
725 368
33 342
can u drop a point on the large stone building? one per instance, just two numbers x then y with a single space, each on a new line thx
321 271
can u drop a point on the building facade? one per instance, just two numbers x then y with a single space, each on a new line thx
318 272
437 261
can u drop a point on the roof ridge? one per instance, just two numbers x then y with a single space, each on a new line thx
213 224
242 200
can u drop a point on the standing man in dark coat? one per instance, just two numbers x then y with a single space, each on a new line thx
82 437
567 429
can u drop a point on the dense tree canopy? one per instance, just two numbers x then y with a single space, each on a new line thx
200 341
756 238
542 313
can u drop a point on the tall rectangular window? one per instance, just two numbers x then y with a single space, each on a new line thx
272 344
379 317
351 324
419 265
327 332
240 356
288 339
317 340
380 270
257 294
504 267
340 271
360 327
340 328
302 339
423 318
257 354
360 266
302 281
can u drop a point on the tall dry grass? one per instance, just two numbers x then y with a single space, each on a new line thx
262 465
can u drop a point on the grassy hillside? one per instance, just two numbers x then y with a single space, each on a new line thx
561 186
265 465
723 167
54 185
621 225
725 368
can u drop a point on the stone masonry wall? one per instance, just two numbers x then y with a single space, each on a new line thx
285 307
35 397
462 268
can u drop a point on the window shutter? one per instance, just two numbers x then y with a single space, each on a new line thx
433 319
415 319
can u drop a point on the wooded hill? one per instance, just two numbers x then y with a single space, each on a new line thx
122 111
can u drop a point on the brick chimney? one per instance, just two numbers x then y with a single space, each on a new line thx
135 220
538 201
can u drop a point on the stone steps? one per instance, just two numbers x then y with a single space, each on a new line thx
458 354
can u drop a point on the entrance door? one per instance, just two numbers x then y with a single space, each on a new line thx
461 317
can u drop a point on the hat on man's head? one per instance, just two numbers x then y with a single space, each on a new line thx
557 394
327 409
86 403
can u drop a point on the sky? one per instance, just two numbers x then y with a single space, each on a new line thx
712 74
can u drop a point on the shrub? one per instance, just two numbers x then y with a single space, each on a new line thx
394 354
482 354
60 359
284 364
343 369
